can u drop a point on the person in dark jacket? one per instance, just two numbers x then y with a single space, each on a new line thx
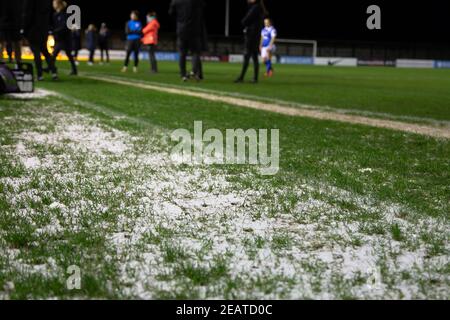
10 26
252 23
76 43
36 16
63 39
133 31
9 51
190 32
91 42
103 42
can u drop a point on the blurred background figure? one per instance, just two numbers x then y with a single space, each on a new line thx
252 23
10 28
103 43
133 31
204 45
189 16
150 39
63 39
91 42
9 51
36 15
268 38
76 43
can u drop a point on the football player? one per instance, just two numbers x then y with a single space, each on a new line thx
267 47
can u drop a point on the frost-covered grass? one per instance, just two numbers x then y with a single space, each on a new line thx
404 94
353 213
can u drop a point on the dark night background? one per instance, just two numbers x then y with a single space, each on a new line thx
402 21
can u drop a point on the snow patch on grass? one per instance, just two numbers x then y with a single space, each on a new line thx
80 137
186 231
37 94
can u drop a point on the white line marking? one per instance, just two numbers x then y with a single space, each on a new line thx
314 114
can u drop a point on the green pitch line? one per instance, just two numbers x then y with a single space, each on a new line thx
277 108
411 93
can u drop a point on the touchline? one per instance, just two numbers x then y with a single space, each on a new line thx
236 147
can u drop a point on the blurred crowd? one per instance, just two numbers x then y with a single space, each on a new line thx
31 22
34 20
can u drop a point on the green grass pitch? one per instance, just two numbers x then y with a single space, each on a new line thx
355 212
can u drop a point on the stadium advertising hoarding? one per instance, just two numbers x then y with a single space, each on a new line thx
162 56
334 61
376 63
296 60
117 55
438 64
415 63
239 58
236 58
213 58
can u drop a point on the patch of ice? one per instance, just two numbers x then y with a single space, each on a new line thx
31 163
361 260
57 205
37 94
206 217
82 138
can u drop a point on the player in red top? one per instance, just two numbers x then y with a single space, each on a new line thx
151 38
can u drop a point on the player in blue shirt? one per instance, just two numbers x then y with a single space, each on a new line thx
133 31
268 38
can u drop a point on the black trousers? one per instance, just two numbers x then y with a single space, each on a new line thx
104 52
13 44
91 55
152 57
67 48
193 45
251 53
133 46
15 47
9 51
38 49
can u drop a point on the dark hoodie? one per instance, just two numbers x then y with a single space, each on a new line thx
253 20
190 18
60 30
36 16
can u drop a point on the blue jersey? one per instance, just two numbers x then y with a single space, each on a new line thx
134 30
268 33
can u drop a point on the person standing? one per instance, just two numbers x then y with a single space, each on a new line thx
268 38
91 42
133 31
63 39
9 51
76 43
103 43
190 33
36 16
150 39
252 23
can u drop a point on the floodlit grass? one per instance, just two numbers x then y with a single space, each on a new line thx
355 212
391 91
